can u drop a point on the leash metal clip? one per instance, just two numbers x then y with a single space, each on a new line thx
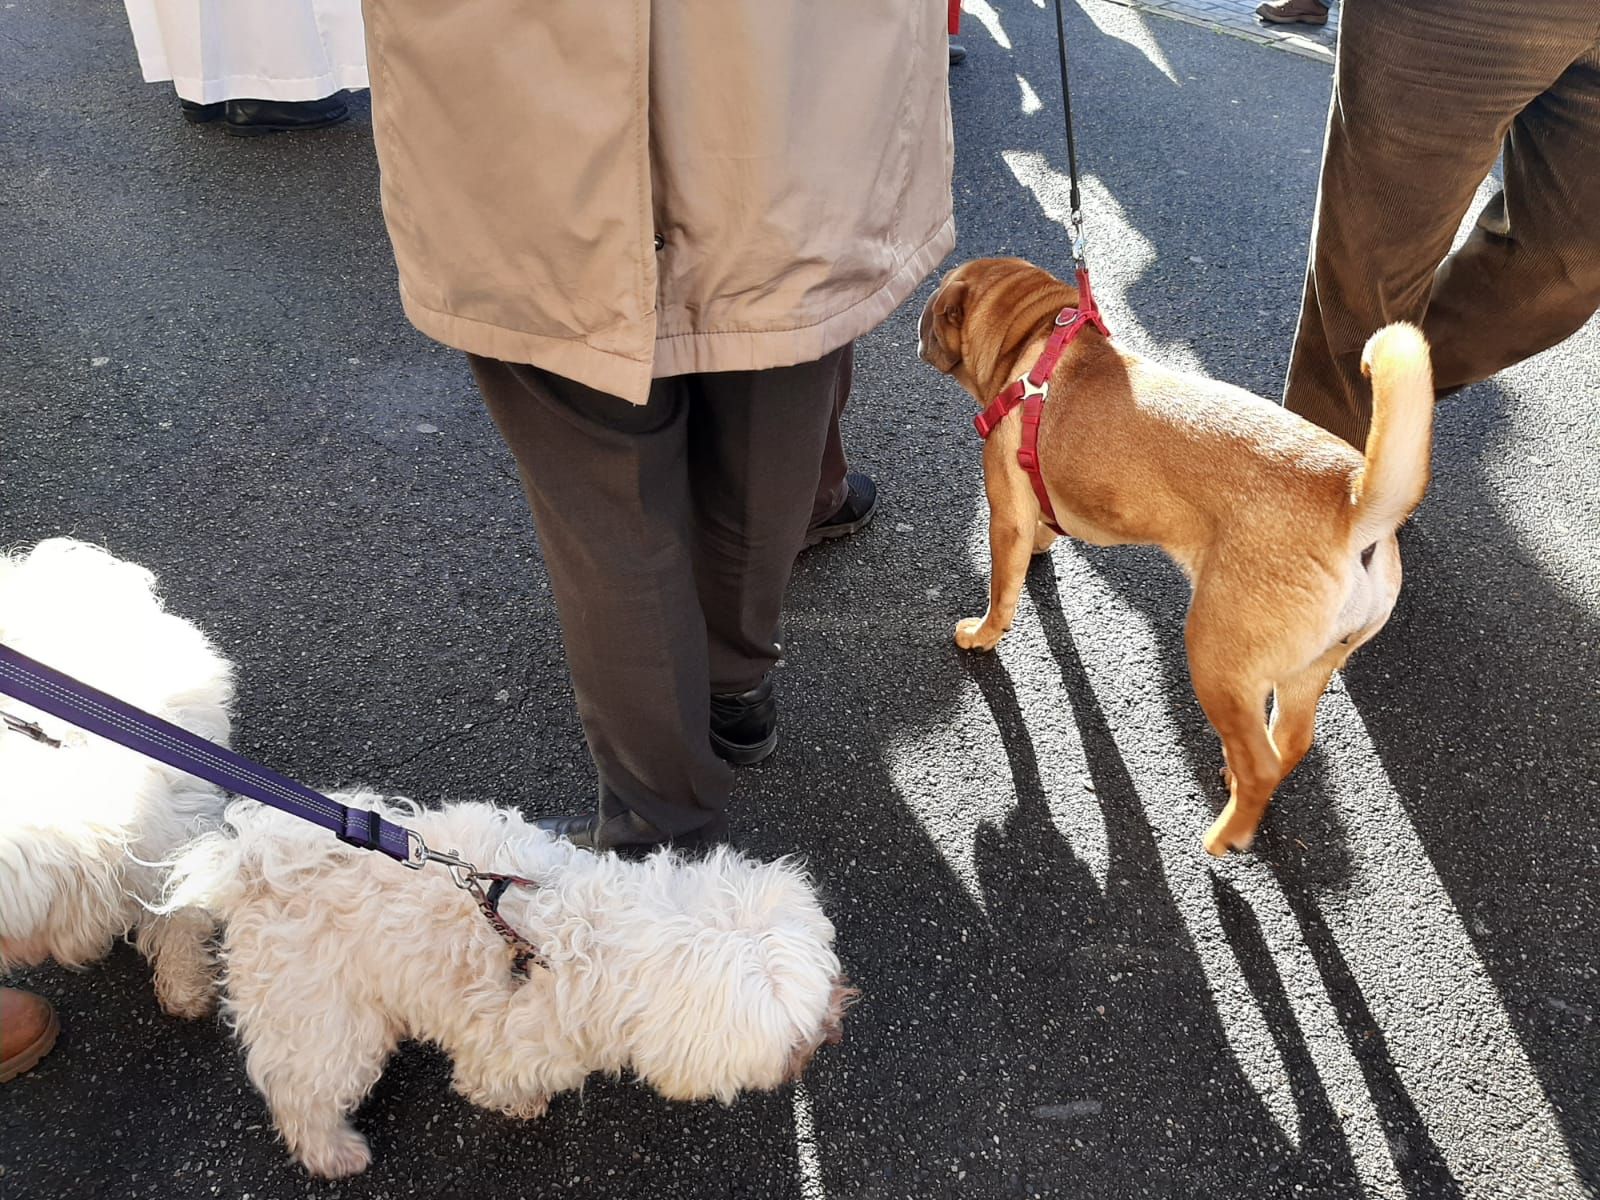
30 729
419 855
470 880
1080 242
1031 389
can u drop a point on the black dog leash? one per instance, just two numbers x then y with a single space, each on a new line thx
1074 200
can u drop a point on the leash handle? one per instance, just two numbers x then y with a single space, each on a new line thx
1074 200
30 681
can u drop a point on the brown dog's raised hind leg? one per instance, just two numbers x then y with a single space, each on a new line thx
1272 752
1253 768
1294 711
1234 700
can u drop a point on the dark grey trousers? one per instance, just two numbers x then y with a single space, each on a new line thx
1427 93
668 530
832 487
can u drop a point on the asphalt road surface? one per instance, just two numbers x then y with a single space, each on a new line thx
204 367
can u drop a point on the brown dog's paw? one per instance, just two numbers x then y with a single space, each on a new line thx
973 634
1224 836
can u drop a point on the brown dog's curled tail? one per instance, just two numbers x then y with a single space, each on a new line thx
1400 441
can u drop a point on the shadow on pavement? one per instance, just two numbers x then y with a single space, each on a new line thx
1477 694
1022 1030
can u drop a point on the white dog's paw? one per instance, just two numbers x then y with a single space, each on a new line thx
527 1110
189 993
341 1152
188 1004
508 1101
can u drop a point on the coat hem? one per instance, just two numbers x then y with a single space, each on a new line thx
615 374
686 353
755 350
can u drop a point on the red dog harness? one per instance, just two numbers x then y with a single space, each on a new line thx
1030 391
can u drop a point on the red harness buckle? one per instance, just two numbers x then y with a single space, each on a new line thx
1031 389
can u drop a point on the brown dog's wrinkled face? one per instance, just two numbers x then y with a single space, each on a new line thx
985 290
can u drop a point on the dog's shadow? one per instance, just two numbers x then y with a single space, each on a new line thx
1472 696
1035 1019
1134 872
1029 873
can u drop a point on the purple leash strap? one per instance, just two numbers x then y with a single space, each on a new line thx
30 681
50 691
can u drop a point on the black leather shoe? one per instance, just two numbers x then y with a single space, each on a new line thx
627 831
256 118
744 725
860 503
199 114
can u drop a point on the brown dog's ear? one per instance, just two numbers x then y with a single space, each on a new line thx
949 317
952 310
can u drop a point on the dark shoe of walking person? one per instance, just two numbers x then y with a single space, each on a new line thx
626 831
256 118
958 53
744 725
860 503
588 832
1293 12
28 1029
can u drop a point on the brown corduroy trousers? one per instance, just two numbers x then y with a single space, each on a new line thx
1427 93
669 530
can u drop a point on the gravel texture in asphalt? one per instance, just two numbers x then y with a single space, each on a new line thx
204 367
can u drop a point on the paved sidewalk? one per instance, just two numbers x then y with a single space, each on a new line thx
1237 18
1396 996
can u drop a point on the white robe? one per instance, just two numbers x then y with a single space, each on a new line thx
250 49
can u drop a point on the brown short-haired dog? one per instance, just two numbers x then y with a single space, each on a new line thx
1286 533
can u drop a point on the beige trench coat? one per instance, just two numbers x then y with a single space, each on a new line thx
619 189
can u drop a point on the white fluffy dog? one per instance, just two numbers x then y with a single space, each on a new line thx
702 977
83 825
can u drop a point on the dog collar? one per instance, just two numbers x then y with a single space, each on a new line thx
1031 389
523 952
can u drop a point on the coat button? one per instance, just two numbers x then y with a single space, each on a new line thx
660 241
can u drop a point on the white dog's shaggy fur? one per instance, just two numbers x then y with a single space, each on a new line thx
702 977
83 826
